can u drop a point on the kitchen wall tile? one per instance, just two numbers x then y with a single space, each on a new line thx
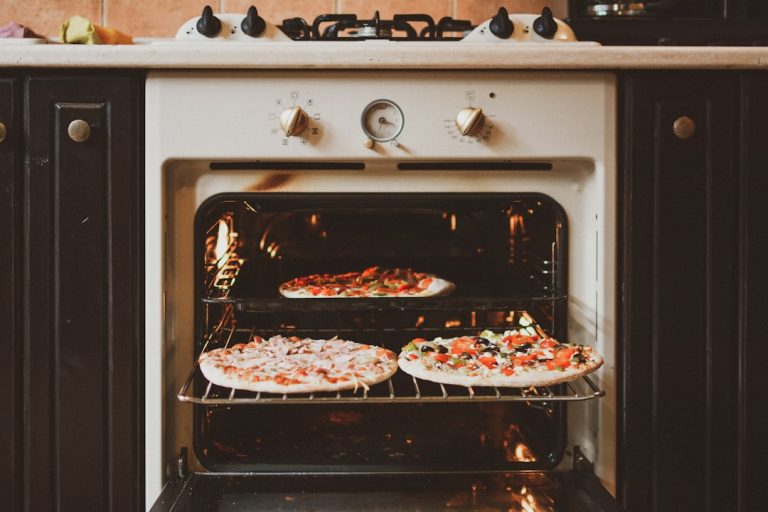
278 10
480 10
44 16
365 8
159 18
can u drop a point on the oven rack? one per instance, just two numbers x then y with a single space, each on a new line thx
270 305
400 388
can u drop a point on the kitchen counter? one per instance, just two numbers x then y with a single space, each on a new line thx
380 54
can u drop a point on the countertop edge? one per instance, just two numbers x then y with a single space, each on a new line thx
381 56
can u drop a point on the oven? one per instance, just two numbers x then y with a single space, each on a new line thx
254 178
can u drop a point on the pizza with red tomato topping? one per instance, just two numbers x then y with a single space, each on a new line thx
518 358
371 282
294 365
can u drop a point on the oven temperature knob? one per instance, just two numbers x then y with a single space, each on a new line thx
293 121
469 120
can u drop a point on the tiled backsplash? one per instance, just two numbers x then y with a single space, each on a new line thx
161 18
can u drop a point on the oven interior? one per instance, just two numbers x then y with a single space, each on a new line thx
507 255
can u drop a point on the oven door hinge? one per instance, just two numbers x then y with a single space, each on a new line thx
581 464
181 463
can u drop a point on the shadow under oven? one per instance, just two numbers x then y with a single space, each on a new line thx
528 243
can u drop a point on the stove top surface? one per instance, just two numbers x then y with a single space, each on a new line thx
250 27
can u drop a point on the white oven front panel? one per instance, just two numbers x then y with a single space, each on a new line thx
567 120
237 115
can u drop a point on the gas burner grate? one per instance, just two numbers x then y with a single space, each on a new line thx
401 388
402 27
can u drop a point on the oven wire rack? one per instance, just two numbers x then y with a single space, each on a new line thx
400 388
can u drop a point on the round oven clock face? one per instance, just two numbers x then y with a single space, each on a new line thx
382 120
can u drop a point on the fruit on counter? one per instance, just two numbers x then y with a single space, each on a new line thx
79 30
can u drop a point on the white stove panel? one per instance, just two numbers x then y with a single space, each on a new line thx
238 115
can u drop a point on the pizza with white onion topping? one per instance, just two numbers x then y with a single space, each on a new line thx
517 358
293 365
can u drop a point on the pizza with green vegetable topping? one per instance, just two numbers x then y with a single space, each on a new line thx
371 282
517 358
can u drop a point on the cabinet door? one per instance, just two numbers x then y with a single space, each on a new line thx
10 256
753 293
81 270
680 299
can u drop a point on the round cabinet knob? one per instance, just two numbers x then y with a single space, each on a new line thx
253 25
545 25
3 132
293 121
469 120
208 24
79 130
501 26
684 127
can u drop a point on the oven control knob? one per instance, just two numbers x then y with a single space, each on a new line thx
253 24
293 121
545 25
208 24
469 120
501 26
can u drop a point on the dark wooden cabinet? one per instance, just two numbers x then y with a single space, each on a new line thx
751 344
694 223
10 293
71 249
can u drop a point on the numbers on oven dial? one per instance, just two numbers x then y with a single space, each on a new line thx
481 134
382 120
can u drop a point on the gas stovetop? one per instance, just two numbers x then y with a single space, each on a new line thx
250 27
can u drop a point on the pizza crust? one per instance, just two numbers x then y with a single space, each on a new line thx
538 378
220 379
437 288
236 367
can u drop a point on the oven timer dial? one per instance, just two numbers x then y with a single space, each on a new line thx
469 120
293 121
382 121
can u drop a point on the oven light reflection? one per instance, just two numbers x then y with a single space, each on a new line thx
222 243
516 225
523 453
272 249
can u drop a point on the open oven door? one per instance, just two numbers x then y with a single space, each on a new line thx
575 491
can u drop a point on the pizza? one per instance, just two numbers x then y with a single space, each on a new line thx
294 365
517 358
371 282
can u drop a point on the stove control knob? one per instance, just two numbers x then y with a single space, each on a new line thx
293 121
501 26
253 25
469 120
545 25
208 24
